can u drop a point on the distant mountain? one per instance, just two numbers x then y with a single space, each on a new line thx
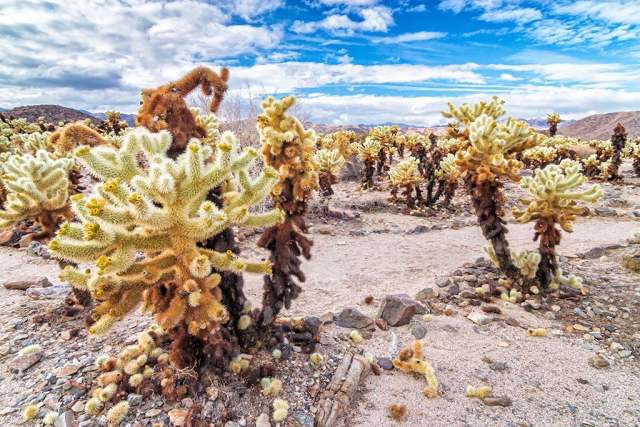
600 126
363 129
51 113
2 109
129 118
538 122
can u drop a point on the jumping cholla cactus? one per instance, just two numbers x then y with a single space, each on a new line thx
288 148
329 163
37 188
163 211
554 203
450 175
488 160
553 120
634 153
368 152
386 136
618 142
591 165
340 141
406 175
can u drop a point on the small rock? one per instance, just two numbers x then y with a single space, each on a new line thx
498 366
24 283
598 362
25 240
632 260
263 421
385 363
382 324
581 328
555 308
479 318
65 420
498 401
178 417
531 304
443 282
419 331
579 312
512 322
352 318
324 230
7 411
425 294
481 375
327 318
397 309
300 419
605 211
153 413
134 399
624 353
68 369
22 363
8 238
550 315
470 278
453 290
53 292
4 349
78 406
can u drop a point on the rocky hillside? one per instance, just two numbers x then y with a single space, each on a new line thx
362 129
51 113
600 126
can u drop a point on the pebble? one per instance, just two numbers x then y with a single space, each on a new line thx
153 413
579 312
419 331
598 362
481 375
385 363
263 421
134 399
78 406
443 282
300 419
68 369
479 318
498 401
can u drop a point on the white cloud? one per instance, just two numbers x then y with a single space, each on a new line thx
556 31
411 37
528 101
614 75
374 19
418 8
615 12
520 16
457 5
250 9
345 59
509 77
349 2
92 44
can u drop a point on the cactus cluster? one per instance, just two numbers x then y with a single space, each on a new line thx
553 120
555 193
329 163
368 152
406 176
163 211
288 148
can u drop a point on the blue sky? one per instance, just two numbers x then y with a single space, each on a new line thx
352 61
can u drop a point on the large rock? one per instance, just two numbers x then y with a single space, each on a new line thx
8 238
398 309
352 318
26 282
479 318
22 363
53 292
65 420
605 211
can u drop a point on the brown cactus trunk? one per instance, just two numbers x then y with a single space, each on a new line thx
369 170
618 140
549 238
553 129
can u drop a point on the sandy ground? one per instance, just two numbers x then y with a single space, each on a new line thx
542 373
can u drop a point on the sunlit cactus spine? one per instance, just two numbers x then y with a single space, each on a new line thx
553 205
489 159
406 176
329 163
553 120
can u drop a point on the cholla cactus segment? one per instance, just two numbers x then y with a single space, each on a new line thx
605 170
453 145
554 202
37 187
527 261
553 196
288 148
553 118
210 123
340 141
448 169
493 147
467 114
162 210
369 152
405 173
329 163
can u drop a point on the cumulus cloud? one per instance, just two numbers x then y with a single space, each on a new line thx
374 19
411 37
250 9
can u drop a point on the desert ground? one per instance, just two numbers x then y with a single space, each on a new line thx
371 249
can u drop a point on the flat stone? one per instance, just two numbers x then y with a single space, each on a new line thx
8 410
26 240
134 399
453 290
324 230
580 328
443 282
512 322
382 324
598 362
397 309
22 363
26 282
593 253
65 420
605 211
498 366
481 375
352 318
327 318
425 294
624 353
632 260
470 278
68 370
53 292
419 331
78 406
579 312
498 401
300 419
385 363
479 318
263 421
153 413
